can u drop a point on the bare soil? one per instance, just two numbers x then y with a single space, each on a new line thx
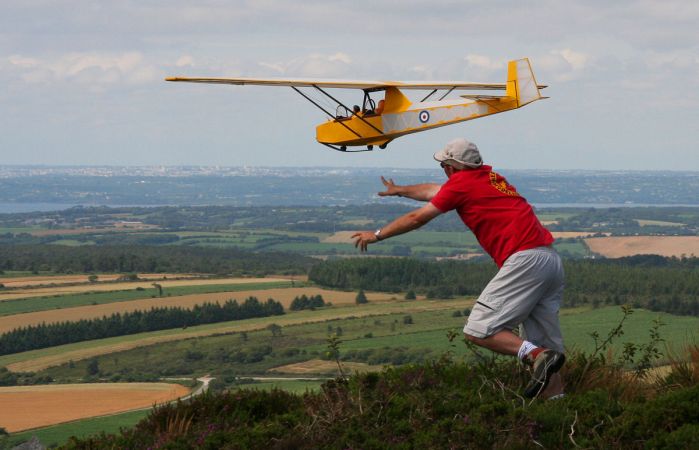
319 366
27 407
619 246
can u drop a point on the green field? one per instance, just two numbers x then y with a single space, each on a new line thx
72 242
295 386
388 334
222 327
574 248
59 434
32 304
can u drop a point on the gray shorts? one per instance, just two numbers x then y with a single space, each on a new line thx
527 291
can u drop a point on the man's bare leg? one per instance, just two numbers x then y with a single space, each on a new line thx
505 342
508 343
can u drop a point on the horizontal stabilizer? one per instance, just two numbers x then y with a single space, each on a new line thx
483 97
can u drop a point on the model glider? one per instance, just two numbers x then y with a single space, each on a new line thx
387 114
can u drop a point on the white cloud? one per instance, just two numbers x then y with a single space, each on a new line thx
85 68
484 62
185 60
563 65
335 65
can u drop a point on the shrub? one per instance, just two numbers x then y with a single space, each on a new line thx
361 298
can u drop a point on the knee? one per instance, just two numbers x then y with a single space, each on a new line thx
473 339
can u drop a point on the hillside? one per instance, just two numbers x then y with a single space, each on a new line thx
436 405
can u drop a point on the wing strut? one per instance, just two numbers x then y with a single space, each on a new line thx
324 110
428 95
448 92
353 113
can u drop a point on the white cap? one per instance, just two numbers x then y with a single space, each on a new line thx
460 152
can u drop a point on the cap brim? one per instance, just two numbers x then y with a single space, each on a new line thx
440 156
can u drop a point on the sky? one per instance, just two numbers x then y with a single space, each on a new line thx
83 81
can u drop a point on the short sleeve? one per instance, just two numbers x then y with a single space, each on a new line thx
446 199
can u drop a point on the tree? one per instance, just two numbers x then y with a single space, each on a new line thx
361 297
92 278
159 288
410 295
93 367
408 320
275 329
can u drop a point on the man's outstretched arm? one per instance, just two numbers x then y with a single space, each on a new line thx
421 192
411 221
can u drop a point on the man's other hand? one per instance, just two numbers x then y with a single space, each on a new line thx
363 239
391 188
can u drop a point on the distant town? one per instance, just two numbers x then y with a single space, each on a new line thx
66 186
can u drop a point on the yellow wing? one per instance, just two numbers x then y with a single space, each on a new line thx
347 84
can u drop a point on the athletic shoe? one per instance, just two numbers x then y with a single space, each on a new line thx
544 365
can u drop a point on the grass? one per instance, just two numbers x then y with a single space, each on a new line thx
294 386
72 242
33 304
427 336
426 242
59 434
80 350
437 238
575 249
678 330
25 273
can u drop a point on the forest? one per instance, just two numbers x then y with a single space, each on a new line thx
652 282
150 259
49 335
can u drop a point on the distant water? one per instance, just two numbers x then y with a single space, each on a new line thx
8 208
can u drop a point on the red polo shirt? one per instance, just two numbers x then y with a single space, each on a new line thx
502 220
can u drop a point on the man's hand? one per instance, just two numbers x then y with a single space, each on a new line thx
391 188
363 239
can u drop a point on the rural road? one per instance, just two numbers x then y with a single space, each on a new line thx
205 380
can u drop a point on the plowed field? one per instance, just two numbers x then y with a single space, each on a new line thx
26 407
618 246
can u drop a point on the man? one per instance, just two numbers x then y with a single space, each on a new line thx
528 288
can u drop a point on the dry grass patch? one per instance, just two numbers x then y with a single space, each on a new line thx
341 237
284 295
38 280
619 246
660 223
27 407
146 284
319 366
574 234
122 226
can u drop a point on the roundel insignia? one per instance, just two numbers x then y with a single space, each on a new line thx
424 116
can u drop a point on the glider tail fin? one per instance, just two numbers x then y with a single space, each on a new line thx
521 84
